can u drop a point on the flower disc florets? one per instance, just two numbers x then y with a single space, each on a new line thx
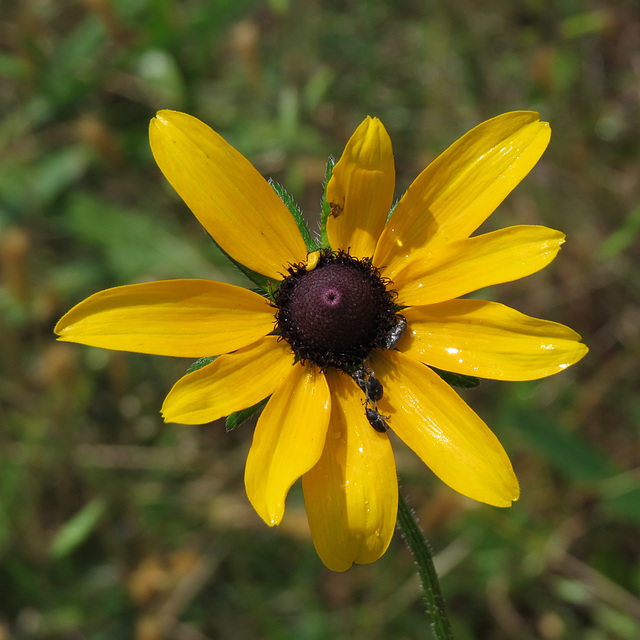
336 313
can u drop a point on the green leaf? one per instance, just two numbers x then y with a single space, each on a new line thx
58 171
161 78
201 362
326 208
132 242
458 379
567 451
622 238
579 460
239 417
294 209
626 504
76 530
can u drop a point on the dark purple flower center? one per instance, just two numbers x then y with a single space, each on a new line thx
335 314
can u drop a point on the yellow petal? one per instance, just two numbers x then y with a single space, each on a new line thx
232 201
490 340
232 382
446 434
360 191
451 198
351 495
457 268
288 439
186 318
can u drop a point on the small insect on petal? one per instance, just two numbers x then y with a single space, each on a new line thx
376 420
393 337
374 389
360 376
370 385
336 209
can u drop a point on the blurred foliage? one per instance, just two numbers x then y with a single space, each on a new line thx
114 525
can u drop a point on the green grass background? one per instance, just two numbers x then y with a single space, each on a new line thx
114 525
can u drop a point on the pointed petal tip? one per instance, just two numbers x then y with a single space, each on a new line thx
58 329
164 115
167 415
170 417
157 121
167 418
523 114
62 326
271 515
506 496
372 121
64 331
370 144
166 118
337 563
372 127
580 351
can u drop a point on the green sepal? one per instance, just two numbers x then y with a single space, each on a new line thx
272 289
458 379
238 417
262 282
393 208
294 210
326 207
201 362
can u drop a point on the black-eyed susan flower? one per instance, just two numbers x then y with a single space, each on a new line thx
346 340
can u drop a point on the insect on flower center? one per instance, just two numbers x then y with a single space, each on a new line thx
336 313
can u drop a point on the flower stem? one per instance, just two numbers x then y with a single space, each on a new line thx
430 585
